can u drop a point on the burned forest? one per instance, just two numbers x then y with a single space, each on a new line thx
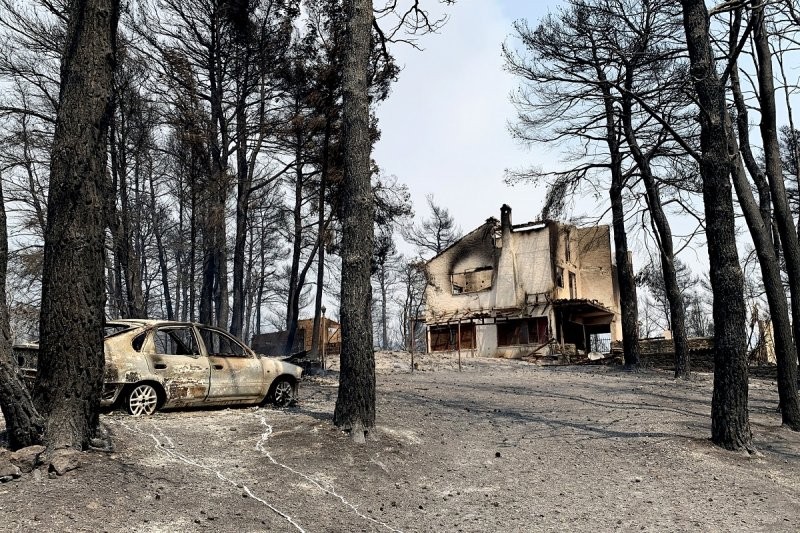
402 265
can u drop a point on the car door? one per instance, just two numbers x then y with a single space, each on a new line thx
176 359
236 373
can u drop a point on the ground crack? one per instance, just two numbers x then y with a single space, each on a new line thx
168 448
260 447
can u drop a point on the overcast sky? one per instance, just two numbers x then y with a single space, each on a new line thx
444 127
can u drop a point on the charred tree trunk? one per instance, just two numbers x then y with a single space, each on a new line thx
315 338
126 260
249 292
242 208
787 366
773 287
625 277
677 310
759 219
295 284
70 376
355 404
730 424
384 319
162 253
24 425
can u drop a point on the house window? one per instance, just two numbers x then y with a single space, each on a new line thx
522 331
573 285
475 280
560 277
445 338
567 250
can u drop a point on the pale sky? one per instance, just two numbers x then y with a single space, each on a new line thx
444 127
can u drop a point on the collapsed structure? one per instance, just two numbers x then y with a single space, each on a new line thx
533 289
275 342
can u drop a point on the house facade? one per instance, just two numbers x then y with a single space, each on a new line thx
526 290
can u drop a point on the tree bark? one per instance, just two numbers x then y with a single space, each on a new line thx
677 310
242 207
295 284
70 373
323 182
785 350
384 320
730 424
625 277
162 253
355 404
787 366
24 425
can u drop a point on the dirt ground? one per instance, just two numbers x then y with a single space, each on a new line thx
501 446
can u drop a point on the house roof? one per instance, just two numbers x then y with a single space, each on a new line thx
582 307
491 220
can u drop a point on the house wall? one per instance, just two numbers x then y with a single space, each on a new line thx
520 261
474 250
598 274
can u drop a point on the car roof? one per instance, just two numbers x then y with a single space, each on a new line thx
151 322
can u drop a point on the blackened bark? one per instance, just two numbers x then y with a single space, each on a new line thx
625 277
384 319
295 285
244 182
162 253
214 292
315 337
677 310
787 366
24 425
785 350
70 374
355 404
730 424
127 263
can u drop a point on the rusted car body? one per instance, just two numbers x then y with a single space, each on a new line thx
153 364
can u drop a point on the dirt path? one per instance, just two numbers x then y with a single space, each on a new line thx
501 446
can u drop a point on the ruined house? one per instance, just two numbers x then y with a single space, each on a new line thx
532 289
275 342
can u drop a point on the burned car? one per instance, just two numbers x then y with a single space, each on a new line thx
152 364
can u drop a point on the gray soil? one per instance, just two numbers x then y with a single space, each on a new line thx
500 446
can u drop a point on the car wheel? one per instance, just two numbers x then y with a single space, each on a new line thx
282 393
142 400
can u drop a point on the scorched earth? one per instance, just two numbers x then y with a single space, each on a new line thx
501 446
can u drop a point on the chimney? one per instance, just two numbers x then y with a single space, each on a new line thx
505 219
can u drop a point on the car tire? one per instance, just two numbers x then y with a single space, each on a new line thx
281 393
141 400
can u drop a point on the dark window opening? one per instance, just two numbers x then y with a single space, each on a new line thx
523 331
177 341
218 343
573 285
138 341
560 277
445 338
479 279
567 250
